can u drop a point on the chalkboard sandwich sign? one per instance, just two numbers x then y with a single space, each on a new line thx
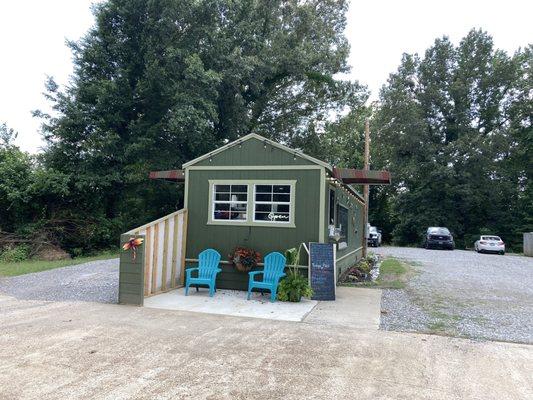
322 274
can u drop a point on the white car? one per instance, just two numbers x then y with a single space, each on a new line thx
374 236
490 244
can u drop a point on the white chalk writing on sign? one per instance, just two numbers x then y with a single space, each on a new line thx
274 217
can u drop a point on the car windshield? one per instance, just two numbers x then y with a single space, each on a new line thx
491 238
439 231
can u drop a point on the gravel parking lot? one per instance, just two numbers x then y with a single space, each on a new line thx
462 293
93 281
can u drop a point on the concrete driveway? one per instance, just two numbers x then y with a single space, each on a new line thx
462 293
84 350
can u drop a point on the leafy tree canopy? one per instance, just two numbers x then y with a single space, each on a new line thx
158 83
455 127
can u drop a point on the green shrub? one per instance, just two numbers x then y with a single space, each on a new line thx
293 287
15 254
364 267
371 258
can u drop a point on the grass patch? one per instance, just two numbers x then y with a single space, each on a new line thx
393 274
29 266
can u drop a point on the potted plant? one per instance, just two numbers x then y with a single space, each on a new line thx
294 286
244 259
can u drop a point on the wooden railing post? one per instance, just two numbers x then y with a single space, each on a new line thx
131 273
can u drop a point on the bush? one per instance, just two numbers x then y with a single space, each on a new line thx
364 266
293 287
15 254
371 259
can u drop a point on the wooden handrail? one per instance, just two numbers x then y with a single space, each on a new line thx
157 221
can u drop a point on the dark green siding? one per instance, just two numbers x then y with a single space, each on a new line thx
254 152
224 238
355 227
131 274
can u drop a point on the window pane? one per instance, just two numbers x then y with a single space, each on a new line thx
263 207
222 197
263 189
238 216
263 197
282 189
283 208
282 198
239 197
261 216
221 206
342 218
332 207
221 211
238 207
277 209
239 188
222 188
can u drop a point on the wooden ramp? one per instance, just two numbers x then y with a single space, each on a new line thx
162 253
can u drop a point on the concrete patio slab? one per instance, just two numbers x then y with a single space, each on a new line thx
231 302
358 308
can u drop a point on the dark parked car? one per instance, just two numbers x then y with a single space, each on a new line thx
438 237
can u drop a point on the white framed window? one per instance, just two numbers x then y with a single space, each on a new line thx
230 202
252 202
272 203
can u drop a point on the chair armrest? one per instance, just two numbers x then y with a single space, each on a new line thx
254 273
188 271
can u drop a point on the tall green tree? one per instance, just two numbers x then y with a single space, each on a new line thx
157 83
455 127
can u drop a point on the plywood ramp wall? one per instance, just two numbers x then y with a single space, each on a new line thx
165 243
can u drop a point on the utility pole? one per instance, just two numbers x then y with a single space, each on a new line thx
366 187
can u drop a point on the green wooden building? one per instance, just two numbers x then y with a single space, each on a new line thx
260 194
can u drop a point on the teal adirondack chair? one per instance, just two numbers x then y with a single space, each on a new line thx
272 273
208 262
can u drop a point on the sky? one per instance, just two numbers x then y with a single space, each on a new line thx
33 34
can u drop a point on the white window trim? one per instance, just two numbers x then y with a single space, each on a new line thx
250 209
289 203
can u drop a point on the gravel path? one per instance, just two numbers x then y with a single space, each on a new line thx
94 281
462 293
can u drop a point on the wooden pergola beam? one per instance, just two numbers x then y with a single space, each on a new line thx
174 175
362 177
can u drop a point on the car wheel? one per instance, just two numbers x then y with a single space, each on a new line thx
502 253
